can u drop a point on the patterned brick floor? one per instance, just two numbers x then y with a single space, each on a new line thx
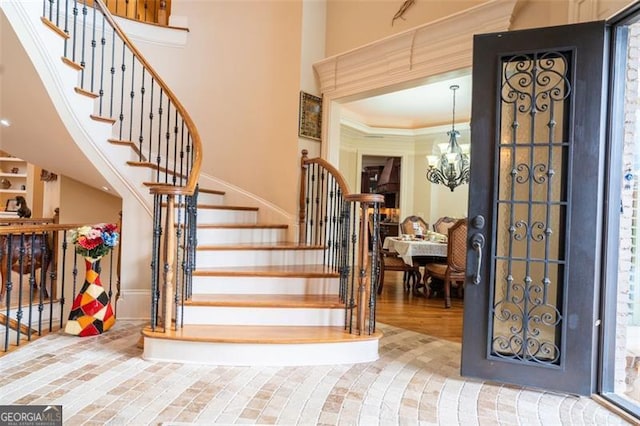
103 380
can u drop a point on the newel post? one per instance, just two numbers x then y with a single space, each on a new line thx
169 259
302 209
364 278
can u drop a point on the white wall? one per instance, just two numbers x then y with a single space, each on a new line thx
314 17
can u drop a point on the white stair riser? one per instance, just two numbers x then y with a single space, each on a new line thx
268 354
241 235
217 258
265 285
224 315
210 199
222 216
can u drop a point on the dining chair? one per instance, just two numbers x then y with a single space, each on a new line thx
453 272
442 225
391 261
410 223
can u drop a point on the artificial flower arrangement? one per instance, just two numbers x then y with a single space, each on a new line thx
95 241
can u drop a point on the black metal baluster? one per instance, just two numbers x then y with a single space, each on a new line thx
349 253
159 147
93 51
167 143
190 151
8 284
132 94
176 166
83 62
103 43
151 119
75 32
182 159
112 70
33 284
66 26
19 313
141 136
64 263
123 68
48 265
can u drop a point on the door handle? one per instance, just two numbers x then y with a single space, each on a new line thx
477 243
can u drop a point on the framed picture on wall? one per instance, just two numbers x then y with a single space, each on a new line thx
12 205
310 122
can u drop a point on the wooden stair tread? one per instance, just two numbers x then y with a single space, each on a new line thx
259 246
307 271
13 325
226 207
267 300
242 226
211 191
259 334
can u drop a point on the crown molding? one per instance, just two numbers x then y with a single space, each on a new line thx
434 48
387 131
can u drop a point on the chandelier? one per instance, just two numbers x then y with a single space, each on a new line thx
451 166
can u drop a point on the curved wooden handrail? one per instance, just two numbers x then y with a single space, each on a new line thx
194 174
28 229
344 187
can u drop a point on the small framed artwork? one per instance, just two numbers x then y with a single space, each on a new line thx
12 205
310 124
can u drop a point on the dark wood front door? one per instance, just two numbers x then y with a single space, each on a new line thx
535 207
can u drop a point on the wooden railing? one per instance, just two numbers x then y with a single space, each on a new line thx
332 217
149 118
148 11
39 269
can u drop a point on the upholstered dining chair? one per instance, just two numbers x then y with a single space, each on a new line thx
442 225
454 271
408 225
391 261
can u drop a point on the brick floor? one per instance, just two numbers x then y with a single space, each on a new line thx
104 381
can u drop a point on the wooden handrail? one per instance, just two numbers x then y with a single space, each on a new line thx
344 186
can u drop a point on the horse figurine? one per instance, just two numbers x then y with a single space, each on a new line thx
28 254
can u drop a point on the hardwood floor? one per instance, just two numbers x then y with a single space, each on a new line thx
400 308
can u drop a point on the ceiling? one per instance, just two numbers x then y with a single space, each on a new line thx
426 105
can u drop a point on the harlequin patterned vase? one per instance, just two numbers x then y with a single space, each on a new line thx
91 313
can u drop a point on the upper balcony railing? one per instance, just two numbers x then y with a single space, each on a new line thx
148 11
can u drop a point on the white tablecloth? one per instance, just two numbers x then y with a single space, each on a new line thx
409 248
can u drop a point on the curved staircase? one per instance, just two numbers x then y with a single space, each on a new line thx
225 288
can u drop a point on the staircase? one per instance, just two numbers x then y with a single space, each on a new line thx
258 299
228 289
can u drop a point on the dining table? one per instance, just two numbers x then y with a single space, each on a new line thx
416 251
412 248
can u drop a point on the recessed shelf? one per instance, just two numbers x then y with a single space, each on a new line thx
17 175
13 191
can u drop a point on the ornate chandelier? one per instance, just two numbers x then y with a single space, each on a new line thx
451 167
